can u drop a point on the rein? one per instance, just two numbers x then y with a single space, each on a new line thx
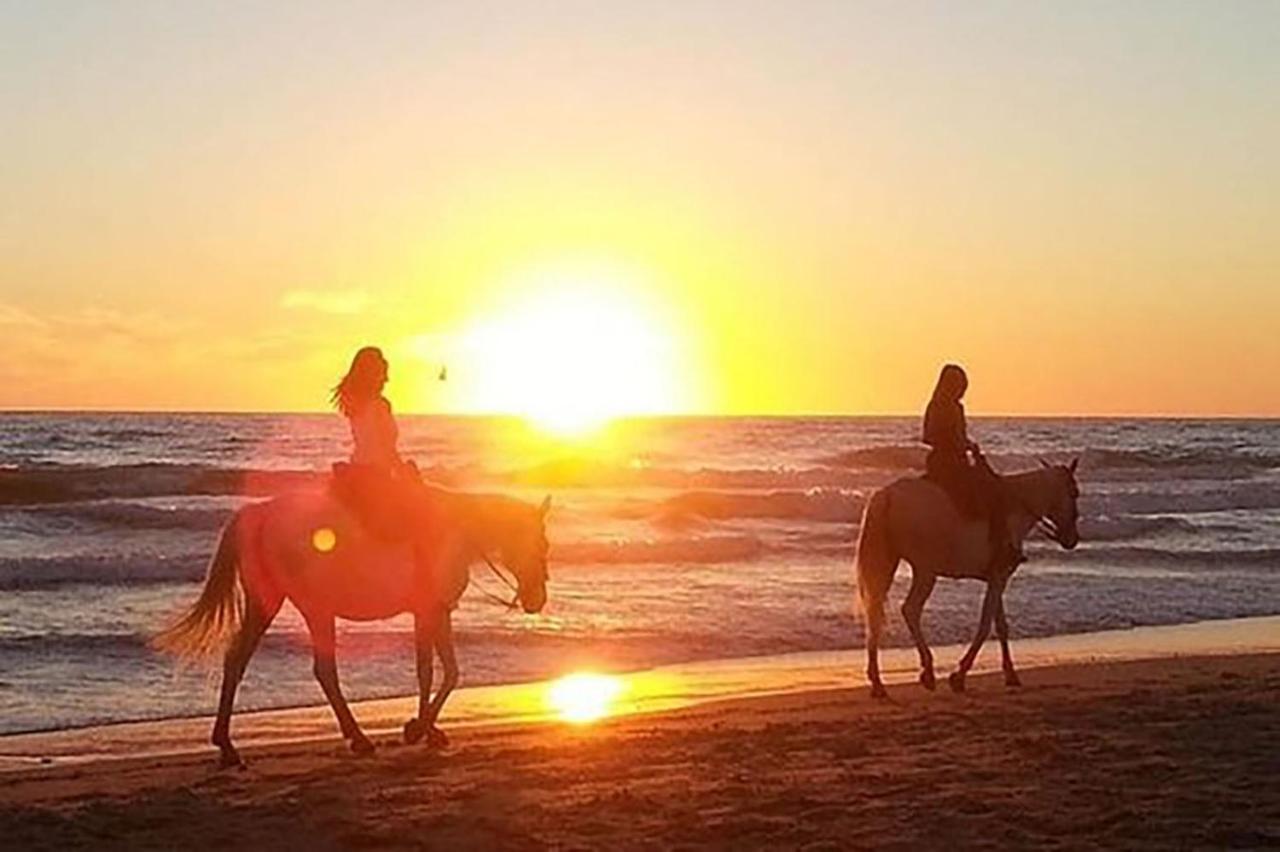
515 589
1043 522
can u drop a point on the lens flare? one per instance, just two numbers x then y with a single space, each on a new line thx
324 540
584 696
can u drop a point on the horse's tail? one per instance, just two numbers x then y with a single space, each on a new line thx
213 620
876 561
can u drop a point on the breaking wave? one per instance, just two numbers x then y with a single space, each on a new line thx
115 570
119 514
699 550
829 505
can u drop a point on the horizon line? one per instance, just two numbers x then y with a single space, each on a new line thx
497 415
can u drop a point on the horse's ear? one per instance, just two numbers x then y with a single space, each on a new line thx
545 507
1075 462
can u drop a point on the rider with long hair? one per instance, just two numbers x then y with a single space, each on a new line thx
385 490
975 487
358 396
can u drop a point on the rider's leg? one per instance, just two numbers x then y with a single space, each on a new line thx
1005 552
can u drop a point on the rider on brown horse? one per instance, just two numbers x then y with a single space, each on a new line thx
975 487
383 490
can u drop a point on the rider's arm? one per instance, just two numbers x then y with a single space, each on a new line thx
962 431
388 432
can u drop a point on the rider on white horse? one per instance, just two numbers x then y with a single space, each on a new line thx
976 489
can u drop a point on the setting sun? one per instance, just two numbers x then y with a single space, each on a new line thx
574 351
584 696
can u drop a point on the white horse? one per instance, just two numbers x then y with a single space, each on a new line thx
915 520
309 548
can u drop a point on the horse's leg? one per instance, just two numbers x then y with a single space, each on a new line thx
1011 678
257 618
875 620
424 630
994 590
448 659
323 642
922 582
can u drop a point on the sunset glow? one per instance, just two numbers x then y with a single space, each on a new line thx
686 209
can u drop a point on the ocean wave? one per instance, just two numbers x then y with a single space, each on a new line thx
45 484
113 570
115 514
895 457
830 505
1173 458
1249 496
592 473
700 550
64 484
1125 527
1217 558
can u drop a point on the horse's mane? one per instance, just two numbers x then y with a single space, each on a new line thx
483 512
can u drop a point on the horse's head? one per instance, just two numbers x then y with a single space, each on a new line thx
1063 512
524 552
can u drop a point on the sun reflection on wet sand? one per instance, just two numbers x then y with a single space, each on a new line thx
584 696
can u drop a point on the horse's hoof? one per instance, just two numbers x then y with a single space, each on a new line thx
362 746
436 738
230 759
1011 680
927 680
957 682
878 691
414 731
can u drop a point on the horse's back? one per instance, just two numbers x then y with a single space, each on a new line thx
318 555
929 532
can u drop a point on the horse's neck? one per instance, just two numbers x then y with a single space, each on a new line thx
1033 496
479 518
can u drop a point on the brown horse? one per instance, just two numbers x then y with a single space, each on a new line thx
915 520
308 548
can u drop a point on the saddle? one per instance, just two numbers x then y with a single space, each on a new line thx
961 483
383 503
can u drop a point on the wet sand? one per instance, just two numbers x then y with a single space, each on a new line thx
1180 751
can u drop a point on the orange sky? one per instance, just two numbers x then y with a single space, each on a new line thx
792 210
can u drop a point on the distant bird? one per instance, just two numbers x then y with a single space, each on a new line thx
444 373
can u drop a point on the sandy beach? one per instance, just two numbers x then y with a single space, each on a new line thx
1105 753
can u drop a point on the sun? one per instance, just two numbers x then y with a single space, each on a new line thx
570 353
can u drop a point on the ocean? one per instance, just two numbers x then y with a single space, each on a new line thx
672 540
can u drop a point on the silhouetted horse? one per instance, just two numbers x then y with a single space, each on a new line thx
309 548
915 520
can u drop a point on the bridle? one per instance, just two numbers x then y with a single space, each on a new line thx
1046 525
1043 521
497 572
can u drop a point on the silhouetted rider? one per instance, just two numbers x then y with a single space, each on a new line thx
975 488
